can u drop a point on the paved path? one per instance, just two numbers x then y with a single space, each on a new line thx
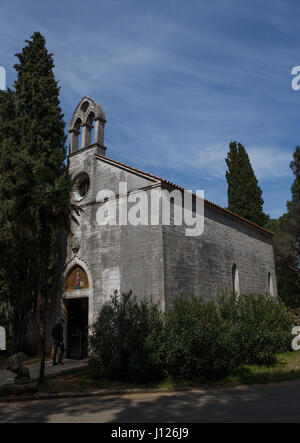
50 371
270 403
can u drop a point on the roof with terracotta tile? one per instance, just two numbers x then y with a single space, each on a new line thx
173 185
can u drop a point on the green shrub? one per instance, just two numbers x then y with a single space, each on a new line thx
126 340
199 342
264 328
196 339
211 339
294 314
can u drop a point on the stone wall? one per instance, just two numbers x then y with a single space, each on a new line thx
203 265
116 257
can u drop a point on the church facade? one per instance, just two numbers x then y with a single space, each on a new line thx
157 261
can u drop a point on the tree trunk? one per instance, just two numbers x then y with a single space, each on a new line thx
42 302
45 250
16 332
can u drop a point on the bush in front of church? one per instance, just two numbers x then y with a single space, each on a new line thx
210 339
126 340
265 328
196 339
199 342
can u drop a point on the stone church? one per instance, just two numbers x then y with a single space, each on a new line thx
155 261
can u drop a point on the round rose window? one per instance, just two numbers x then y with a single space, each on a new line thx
82 186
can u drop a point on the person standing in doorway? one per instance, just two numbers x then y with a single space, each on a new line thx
58 341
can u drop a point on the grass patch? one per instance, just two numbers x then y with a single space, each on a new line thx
287 368
83 381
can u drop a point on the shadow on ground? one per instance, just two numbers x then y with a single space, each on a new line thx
276 403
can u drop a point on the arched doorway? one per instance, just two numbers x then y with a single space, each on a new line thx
77 311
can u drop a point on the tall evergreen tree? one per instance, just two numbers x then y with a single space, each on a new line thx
292 223
32 139
287 243
244 194
42 141
40 118
18 260
294 204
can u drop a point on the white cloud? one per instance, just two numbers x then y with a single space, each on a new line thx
177 83
157 147
270 163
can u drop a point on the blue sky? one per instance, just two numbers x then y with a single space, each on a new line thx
178 81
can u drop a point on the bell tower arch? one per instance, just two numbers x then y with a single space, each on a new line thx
87 125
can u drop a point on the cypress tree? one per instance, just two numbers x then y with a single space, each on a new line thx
18 260
244 194
294 204
43 191
293 216
287 243
42 145
32 138
42 129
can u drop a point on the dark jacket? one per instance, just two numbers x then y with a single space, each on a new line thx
58 332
